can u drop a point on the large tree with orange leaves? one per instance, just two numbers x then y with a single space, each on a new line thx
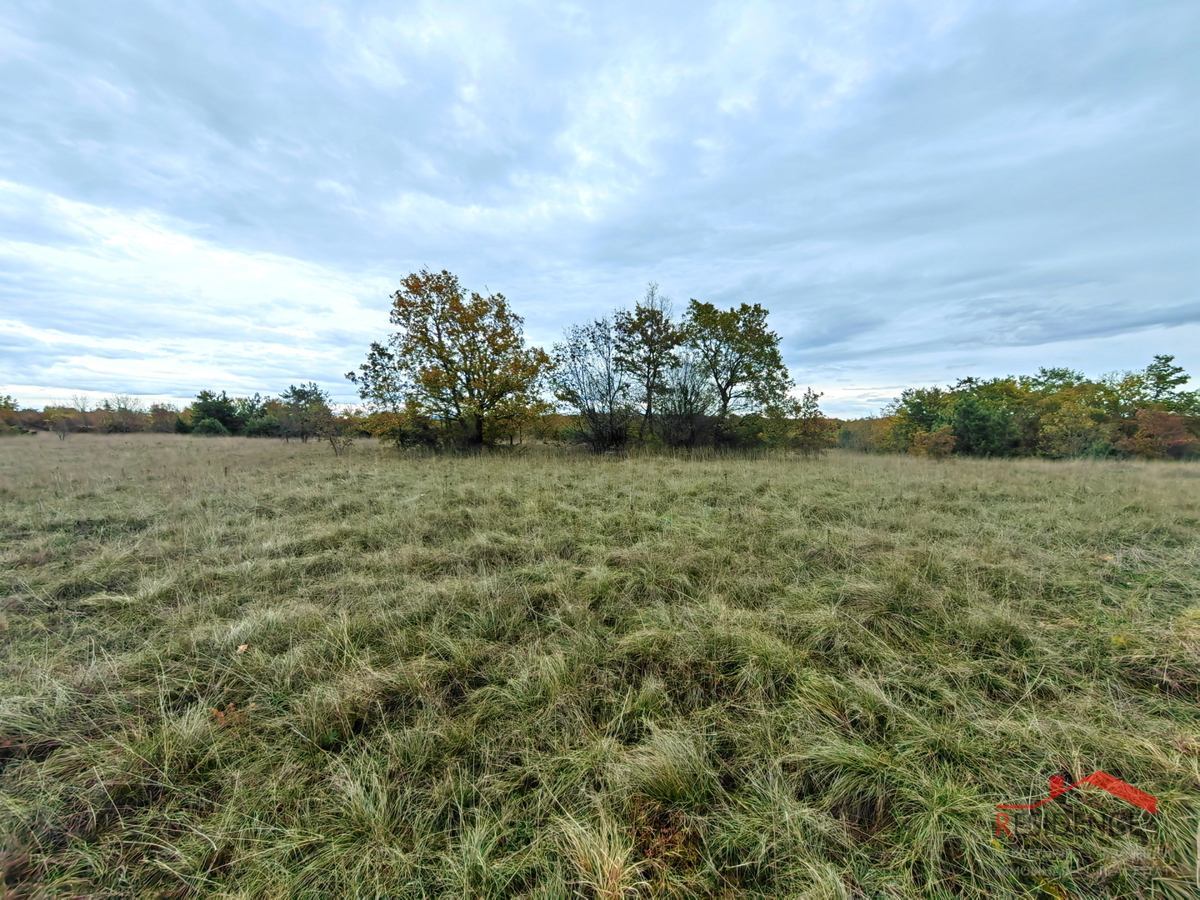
458 359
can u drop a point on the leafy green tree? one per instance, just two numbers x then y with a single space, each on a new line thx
409 428
1053 380
1164 385
1073 430
61 420
814 433
799 424
979 428
739 354
588 378
645 342
219 407
457 359
304 412
1164 378
916 410
248 408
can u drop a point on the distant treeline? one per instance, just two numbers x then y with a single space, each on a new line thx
457 374
1057 413
301 413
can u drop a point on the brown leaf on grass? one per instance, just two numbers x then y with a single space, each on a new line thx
1187 746
242 648
232 716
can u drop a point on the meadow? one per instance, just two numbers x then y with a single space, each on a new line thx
243 668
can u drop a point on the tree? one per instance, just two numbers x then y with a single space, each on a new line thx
588 378
247 408
164 418
121 414
83 404
813 432
799 425
1164 378
1074 430
304 412
688 403
408 428
460 359
10 421
339 435
1164 386
1160 435
219 407
980 428
917 410
934 444
740 355
645 341
61 420
873 434
1053 380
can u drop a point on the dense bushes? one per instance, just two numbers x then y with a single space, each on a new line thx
1056 414
210 428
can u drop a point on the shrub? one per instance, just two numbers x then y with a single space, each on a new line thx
263 426
935 444
210 428
1160 435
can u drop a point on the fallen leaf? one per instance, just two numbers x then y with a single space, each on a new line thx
242 648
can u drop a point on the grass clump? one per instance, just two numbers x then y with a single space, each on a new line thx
240 669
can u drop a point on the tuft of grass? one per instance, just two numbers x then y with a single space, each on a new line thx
245 669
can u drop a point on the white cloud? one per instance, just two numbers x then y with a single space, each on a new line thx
169 308
224 196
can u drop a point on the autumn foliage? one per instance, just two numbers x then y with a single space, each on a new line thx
1056 414
457 365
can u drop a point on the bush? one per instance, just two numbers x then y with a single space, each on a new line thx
1160 435
263 426
934 444
210 428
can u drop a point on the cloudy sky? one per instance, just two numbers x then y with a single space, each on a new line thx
223 195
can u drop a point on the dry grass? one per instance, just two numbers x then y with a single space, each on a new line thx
245 669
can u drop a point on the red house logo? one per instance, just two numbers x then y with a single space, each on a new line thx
1058 787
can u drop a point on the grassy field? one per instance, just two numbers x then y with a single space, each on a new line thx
241 668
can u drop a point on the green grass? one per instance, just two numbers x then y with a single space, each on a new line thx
544 675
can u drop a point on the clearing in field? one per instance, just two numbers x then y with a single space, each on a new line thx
246 669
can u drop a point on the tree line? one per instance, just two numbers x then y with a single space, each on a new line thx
1057 413
457 373
302 412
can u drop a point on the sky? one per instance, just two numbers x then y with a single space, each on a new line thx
224 195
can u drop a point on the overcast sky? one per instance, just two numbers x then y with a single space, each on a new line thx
223 195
